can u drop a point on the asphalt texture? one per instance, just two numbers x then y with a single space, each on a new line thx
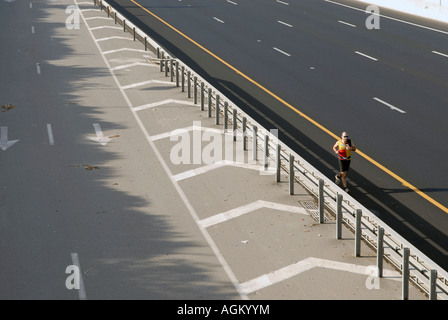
88 181
306 54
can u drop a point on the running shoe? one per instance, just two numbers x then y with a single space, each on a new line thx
337 180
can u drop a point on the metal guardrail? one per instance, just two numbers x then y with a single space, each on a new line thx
389 245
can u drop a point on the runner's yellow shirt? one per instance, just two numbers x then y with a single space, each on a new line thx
343 153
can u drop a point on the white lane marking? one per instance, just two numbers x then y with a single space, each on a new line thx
389 105
32 30
113 38
37 68
440 54
281 51
169 134
103 18
194 172
143 83
366 56
346 23
214 166
100 138
284 23
122 49
219 20
232 2
82 290
135 64
156 104
165 166
307 264
390 18
4 142
50 134
237 212
282 2
106 27
31 5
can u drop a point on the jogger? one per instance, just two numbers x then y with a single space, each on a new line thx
343 148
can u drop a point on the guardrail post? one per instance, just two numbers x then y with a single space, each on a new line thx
380 252
202 96
244 133
189 84
115 17
266 152
291 174
433 285
254 143
124 25
235 124
358 216
177 74
321 201
226 116
182 76
172 70
209 102
339 216
162 59
217 110
405 273
195 90
279 162
166 64
134 33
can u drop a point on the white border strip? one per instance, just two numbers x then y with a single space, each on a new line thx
82 290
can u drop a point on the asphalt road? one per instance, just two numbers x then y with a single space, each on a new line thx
386 87
115 209
67 200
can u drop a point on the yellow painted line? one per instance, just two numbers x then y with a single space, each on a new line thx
403 182
392 174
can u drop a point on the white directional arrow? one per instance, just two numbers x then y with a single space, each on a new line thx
4 143
100 138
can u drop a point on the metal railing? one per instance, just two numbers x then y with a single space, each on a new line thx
389 245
